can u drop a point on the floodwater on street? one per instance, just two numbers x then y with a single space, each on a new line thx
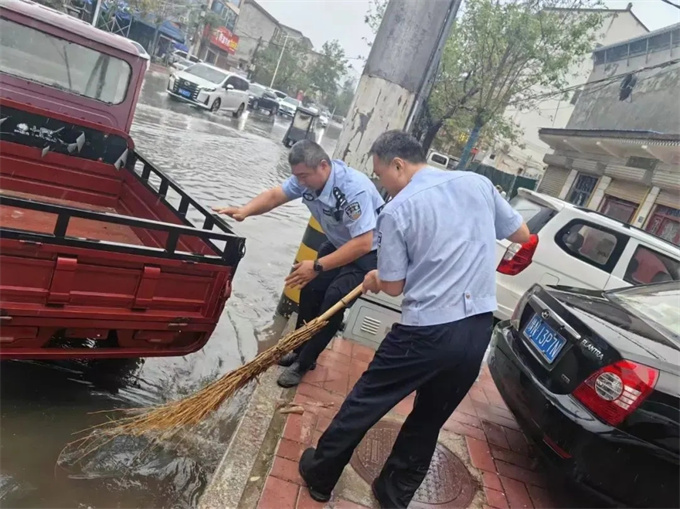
219 160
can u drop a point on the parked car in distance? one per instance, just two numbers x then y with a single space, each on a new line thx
593 378
439 160
573 246
263 99
210 88
324 118
280 95
287 106
179 60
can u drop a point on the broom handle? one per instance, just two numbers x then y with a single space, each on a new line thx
342 303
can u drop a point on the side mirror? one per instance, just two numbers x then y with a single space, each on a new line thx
229 86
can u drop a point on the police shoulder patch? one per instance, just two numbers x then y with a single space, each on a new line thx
353 210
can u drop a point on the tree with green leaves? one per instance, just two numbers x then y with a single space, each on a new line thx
343 100
374 16
325 70
504 53
291 76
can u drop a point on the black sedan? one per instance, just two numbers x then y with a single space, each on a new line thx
594 380
262 100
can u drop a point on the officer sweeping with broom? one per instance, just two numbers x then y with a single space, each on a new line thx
346 204
436 246
437 240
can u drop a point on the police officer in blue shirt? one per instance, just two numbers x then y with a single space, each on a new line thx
437 241
346 204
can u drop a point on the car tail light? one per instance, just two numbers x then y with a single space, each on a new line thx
615 391
518 256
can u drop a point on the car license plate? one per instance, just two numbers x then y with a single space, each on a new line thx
548 343
265 111
185 93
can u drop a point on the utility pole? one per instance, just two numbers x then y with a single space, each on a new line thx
196 42
285 40
400 68
398 71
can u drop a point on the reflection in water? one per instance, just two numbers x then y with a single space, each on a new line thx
219 160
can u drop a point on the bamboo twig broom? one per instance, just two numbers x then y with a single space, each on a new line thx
164 421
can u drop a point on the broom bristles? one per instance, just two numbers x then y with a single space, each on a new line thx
164 421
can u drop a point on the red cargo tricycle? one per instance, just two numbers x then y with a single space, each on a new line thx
98 257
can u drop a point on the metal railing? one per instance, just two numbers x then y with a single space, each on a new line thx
231 254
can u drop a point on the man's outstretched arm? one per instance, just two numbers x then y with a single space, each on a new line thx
261 204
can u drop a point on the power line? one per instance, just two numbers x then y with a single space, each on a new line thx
607 81
276 44
671 3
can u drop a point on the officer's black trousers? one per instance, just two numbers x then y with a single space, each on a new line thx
440 363
321 294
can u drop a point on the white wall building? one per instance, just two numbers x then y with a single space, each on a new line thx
620 151
554 112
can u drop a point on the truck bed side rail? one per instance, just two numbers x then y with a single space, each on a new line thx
230 254
147 170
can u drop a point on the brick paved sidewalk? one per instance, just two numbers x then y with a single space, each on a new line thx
509 473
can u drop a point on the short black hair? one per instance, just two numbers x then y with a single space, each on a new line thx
308 153
400 144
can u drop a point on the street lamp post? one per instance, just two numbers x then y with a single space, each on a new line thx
285 40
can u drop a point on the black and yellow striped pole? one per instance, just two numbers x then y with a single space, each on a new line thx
308 250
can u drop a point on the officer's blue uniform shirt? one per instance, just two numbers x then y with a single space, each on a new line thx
347 207
439 234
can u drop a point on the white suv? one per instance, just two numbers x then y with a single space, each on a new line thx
572 246
569 246
210 88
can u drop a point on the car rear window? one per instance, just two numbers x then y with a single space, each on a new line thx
439 159
648 266
535 216
657 304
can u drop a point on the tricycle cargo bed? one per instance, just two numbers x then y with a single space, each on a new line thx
98 255
20 218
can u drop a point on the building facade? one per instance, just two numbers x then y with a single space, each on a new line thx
255 28
555 112
620 151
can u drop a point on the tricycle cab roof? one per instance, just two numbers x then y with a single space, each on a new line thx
307 111
30 89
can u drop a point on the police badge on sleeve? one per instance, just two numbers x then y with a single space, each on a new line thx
353 211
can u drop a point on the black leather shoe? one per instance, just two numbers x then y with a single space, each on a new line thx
291 376
288 359
382 495
303 466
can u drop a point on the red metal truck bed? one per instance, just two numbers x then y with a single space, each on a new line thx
99 260
44 222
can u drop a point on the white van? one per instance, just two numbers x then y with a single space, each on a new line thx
210 88
442 161
570 246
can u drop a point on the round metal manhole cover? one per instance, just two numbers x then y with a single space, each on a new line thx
447 485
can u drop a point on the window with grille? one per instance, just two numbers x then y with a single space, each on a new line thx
583 188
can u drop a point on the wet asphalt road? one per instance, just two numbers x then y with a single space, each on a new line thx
219 160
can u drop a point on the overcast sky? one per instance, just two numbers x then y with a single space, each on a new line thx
325 20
